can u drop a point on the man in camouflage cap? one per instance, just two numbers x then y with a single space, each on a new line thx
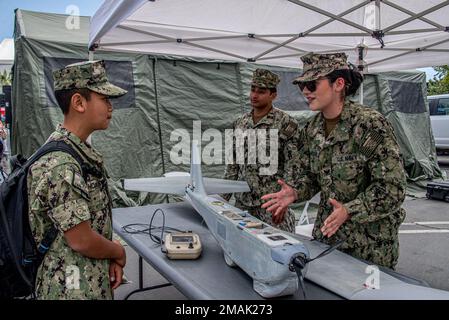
265 79
350 154
82 262
264 118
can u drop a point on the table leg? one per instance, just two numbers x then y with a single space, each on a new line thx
141 288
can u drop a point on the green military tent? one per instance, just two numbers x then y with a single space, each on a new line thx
169 95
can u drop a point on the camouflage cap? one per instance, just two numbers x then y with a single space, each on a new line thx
263 78
86 75
319 65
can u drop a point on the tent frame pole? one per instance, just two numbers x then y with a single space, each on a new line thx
397 7
408 49
411 51
392 33
304 34
417 16
330 15
182 41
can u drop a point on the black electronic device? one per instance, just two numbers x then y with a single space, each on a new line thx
438 190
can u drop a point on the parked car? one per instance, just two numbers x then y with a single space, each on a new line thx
439 119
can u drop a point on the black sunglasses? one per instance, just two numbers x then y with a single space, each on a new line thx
310 85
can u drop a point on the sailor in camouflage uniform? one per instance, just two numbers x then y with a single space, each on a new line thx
82 262
265 117
350 155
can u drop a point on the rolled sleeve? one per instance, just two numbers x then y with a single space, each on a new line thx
69 214
66 196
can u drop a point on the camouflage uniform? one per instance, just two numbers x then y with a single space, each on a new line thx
287 142
59 195
358 164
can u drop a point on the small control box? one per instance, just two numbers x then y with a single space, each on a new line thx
186 245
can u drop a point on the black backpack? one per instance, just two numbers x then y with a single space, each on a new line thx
20 257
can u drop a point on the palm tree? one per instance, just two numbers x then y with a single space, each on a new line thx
5 78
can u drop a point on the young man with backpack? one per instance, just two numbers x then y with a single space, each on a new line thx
82 262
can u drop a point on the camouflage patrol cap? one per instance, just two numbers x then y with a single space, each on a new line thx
263 78
86 75
319 65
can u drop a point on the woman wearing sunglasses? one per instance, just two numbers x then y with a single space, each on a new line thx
351 156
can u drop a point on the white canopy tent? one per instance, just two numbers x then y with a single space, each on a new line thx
6 54
379 35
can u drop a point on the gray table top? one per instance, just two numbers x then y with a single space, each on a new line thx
208 277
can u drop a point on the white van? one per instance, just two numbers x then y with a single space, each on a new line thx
439 118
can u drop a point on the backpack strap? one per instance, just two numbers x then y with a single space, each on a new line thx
60 145
49 237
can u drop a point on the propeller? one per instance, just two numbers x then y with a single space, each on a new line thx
300 260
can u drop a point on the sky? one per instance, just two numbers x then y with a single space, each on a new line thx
86 8
7 7
430 72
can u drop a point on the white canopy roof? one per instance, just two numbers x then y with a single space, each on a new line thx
7 51
395 34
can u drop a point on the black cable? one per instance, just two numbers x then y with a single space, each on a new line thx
147 229
328 250
299 264
161 239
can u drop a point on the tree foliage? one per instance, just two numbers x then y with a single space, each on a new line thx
5 78
440 83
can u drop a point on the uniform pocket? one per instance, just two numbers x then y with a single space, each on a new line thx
347 177
381 230
347 170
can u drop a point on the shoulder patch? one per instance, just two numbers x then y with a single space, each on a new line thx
372 141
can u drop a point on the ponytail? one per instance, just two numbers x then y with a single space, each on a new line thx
353 79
